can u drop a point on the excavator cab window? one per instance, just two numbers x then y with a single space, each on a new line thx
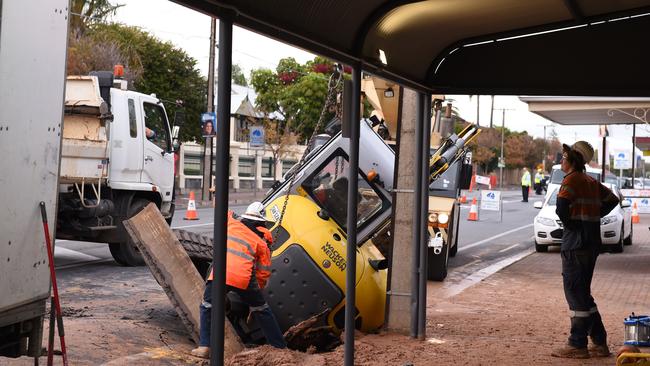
328 187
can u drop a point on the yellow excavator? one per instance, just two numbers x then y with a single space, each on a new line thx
309 207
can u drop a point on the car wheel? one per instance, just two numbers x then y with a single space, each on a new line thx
541 248
618 247
628 240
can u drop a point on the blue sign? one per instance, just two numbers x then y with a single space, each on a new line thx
209 124
256 137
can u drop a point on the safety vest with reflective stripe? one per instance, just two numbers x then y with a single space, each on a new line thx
525 179
538 177
585 194
248 257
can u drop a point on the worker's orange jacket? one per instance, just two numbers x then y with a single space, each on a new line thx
248 256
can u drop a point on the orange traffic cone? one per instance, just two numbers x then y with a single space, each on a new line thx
191 214
635 214
473 211
463 199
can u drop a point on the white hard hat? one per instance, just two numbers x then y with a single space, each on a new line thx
255 211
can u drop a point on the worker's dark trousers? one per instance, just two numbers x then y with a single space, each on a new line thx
577 272
261 311
524 193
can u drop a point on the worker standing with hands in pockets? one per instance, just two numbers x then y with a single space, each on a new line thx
581 202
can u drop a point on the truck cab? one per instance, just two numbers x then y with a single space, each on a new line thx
117 157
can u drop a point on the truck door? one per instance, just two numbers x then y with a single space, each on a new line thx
158 168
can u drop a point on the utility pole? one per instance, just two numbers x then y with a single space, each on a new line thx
492 112
501 160
478 109
207 159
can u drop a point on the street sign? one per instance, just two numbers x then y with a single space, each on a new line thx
501 163
490 200
623 160
256 140
468 157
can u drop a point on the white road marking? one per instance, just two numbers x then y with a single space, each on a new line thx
61 251
195 225
465 247
508 248
478 276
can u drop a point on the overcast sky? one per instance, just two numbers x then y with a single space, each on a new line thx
190 30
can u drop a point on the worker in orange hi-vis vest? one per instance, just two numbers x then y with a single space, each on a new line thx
248 267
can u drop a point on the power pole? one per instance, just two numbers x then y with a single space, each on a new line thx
207 158
501 160
478 109
492 112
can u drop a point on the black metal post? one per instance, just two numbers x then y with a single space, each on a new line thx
353 189
602 173
633 152
424 198
417 210
221 193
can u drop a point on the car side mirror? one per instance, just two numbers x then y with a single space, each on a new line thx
626 203
538 204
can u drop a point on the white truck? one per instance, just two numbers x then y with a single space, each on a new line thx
116 158
32 81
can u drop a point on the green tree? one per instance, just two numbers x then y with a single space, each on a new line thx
155 66
86 12
238 75
297 92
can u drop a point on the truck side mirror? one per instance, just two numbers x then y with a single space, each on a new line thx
465 178
179 118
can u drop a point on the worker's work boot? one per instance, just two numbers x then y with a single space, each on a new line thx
201 352
599 350
568 351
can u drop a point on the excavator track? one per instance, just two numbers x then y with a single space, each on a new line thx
197 246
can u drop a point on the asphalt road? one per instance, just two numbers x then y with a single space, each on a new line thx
485 246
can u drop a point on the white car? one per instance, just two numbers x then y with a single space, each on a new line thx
615 227
557 175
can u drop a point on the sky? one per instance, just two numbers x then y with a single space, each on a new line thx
190 30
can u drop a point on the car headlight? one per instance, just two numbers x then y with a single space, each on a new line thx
433 218
545 221
608 220
443 218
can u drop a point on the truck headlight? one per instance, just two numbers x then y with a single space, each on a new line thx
545 221
443 218
433 218
608 220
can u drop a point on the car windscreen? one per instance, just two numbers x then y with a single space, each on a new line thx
552 200
557 175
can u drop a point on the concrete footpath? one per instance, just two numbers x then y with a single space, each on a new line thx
515 316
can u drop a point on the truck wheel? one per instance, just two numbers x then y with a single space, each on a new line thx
437 266
127 251
116 253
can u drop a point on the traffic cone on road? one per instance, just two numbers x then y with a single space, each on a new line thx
463 199
191 214
473 211
635 214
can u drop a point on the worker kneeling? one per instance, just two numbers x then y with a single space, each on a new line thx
248 267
